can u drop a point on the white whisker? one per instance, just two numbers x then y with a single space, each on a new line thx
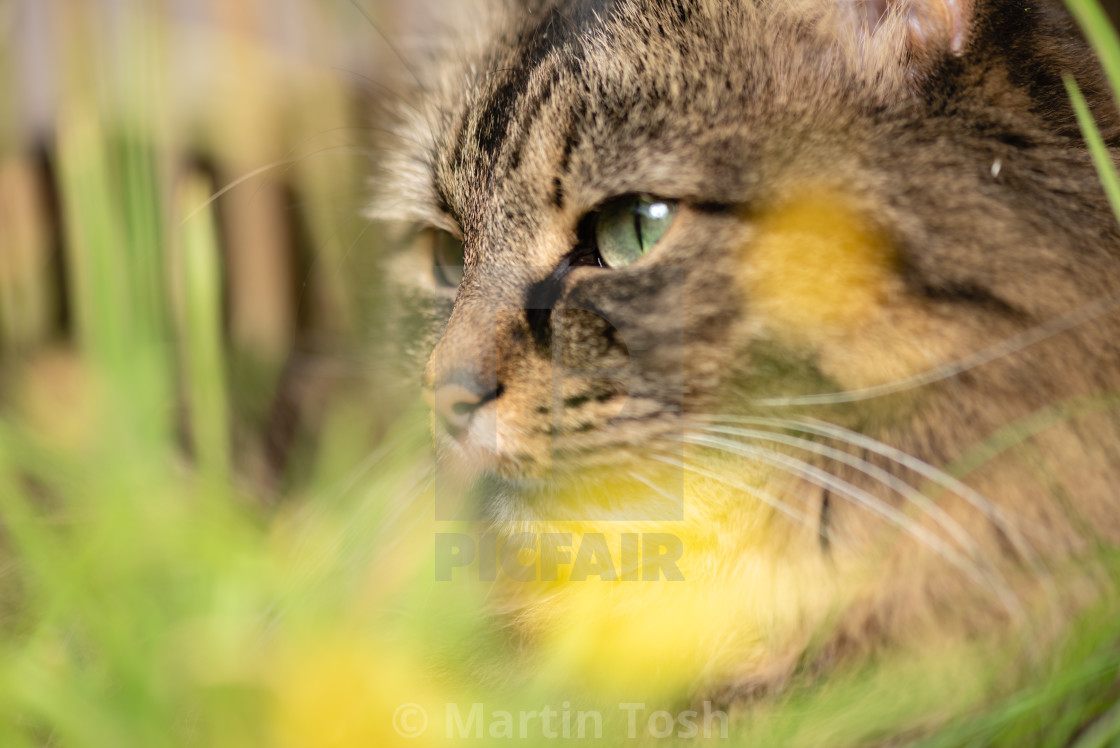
652 486
896 484
1026 339
995 514
763 496
858 496
345 151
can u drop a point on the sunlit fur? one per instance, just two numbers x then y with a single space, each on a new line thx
873 358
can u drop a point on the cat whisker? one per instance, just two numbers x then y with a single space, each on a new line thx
836 486
992 512
378 87
651 485
1038 334
390 46
344 150
777 504
390 535
389 528
893 482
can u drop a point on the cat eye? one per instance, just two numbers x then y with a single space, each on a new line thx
447 258
629 227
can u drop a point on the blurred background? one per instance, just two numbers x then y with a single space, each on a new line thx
264 103
211 500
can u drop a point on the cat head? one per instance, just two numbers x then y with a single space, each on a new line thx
632 216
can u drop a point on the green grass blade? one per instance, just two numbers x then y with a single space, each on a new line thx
201 321
1102 36
1102 158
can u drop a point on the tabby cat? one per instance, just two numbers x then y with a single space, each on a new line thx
826 291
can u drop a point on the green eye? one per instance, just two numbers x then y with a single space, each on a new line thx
447 258
629 227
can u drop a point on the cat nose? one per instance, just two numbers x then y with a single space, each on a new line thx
455 404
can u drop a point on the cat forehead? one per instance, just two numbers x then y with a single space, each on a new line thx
562 66
468 85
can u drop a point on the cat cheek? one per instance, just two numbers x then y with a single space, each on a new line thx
819 276
816 266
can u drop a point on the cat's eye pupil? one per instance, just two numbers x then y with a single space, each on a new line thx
447 259
629 227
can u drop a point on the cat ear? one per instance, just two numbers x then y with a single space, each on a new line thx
918 28
936 24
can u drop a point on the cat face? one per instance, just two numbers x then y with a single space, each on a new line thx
643 217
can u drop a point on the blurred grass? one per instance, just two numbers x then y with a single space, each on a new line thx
169 573
164 579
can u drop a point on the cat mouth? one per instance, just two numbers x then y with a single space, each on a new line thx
489 450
